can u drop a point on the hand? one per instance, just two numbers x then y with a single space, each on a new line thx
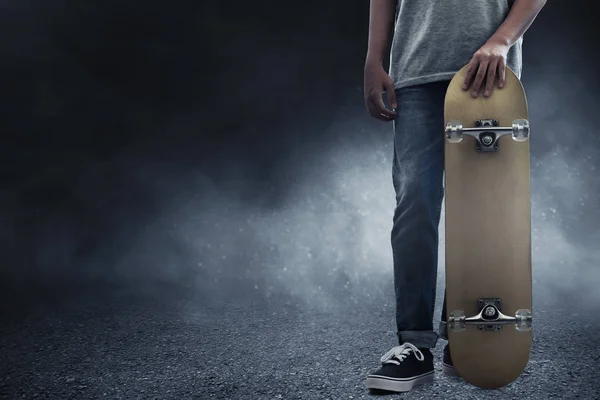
488 64
378 81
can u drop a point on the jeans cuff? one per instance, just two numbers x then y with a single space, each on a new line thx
420 339
443 330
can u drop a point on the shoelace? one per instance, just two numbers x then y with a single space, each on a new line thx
399 353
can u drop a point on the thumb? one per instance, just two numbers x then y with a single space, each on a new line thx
391 93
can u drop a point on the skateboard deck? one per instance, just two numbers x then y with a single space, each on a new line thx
488 232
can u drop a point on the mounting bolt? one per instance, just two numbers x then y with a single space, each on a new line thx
487 140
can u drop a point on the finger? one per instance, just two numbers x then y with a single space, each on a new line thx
471 69
373 112
385 112
388 86
490 78
382 117
479 78
501 73
377 109
391 95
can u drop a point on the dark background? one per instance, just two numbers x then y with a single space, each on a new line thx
220 152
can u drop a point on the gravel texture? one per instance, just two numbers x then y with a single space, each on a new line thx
177 345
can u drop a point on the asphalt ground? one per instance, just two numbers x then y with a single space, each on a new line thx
174 343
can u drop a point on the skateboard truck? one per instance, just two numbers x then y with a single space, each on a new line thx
487 132
490 318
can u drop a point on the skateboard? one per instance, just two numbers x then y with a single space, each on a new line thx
488 232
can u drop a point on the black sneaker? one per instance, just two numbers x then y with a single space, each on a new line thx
402 368
447 365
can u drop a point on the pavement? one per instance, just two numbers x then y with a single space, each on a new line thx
175 343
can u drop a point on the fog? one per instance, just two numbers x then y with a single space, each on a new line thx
251 185
317 233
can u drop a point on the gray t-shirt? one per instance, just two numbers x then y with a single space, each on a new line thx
433 39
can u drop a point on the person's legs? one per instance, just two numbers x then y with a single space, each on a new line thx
443 327
418 169
447 364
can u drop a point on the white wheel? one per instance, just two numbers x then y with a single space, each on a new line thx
520 130
454 131
456 321
523 320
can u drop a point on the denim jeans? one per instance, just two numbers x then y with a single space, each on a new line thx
418 171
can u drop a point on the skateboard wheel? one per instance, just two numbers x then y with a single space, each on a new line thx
520 130
454 131
456 321
523 320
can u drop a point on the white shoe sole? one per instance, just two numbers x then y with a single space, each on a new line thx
380 382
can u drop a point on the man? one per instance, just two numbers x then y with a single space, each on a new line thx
431 41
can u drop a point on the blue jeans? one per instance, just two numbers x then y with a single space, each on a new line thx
418 172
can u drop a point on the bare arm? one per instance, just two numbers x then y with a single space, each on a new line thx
377 81
519 19
489 62
381 24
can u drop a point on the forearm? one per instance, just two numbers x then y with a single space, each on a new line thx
519 19
381 23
